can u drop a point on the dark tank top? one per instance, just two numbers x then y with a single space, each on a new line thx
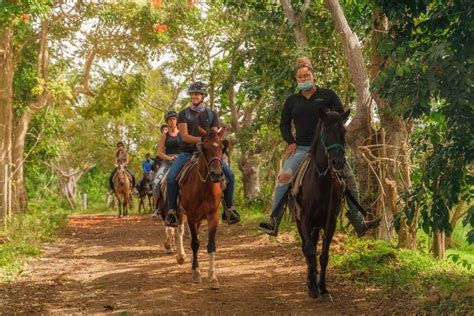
172 144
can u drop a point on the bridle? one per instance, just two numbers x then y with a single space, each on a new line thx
326 150
208 166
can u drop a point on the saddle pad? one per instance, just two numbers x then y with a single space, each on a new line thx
183 174
297 181
296 184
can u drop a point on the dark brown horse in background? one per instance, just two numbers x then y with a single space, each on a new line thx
145 192
320 197
199 199
122 189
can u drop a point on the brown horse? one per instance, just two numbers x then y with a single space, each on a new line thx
199 198
320 197
122 189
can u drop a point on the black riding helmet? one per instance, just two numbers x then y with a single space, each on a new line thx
198 87
170 114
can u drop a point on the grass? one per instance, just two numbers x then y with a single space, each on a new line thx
25 233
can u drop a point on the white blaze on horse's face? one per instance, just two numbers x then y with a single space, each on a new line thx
215 144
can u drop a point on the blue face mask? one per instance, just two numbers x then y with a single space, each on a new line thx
305 85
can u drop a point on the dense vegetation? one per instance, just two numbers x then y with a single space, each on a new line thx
80 76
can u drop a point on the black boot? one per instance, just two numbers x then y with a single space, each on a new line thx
230 216
357 219
270 226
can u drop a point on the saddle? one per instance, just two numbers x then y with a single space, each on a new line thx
184 173
295 188
296 185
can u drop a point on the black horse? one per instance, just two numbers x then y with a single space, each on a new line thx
320 196
144 192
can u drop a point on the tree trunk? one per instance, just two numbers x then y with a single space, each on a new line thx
19 135
6 116
439 244
457 215
360 128
296 21
393 150
249 167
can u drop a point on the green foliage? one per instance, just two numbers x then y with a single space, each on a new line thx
430 49
116 95
403 271
25 233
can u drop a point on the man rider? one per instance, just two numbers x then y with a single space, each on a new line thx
189 119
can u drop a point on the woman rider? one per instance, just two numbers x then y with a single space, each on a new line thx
189 120
121 157
167 151
302 109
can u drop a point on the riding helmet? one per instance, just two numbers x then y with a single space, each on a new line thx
198 87
170 114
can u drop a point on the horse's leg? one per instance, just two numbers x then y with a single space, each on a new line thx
119 204
315 236
181 254
140 201
169 236
212 223
194 228
309 250
324 259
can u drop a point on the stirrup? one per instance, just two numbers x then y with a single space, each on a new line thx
267 228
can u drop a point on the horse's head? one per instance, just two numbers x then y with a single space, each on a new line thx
121 174
332 137
212 150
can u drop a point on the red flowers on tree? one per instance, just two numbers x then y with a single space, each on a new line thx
160 27
157 3
25 17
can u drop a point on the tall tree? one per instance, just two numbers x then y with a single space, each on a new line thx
430 44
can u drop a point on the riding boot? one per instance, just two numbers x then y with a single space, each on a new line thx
230 215
357 219
172 219
270 225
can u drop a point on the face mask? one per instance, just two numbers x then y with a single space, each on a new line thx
305 85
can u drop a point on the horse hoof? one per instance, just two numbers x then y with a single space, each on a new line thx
167 246
180 259
326 297
214 284
197 276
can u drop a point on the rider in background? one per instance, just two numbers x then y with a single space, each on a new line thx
147 165
157 160
121 157
189 119
167 151
302 109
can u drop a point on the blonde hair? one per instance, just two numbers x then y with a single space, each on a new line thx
303 62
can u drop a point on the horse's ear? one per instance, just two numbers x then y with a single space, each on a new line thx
202 131
322 113
345 115
221 131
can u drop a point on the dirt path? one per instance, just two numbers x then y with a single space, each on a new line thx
101 264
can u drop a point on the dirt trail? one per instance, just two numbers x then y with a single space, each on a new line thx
101 264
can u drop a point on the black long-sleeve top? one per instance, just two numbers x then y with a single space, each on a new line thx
304 114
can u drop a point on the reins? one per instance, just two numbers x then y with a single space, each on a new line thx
208 163
335 176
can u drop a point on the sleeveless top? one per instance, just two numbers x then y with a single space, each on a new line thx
121 157
172 144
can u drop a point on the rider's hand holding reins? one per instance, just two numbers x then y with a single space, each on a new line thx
291 150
